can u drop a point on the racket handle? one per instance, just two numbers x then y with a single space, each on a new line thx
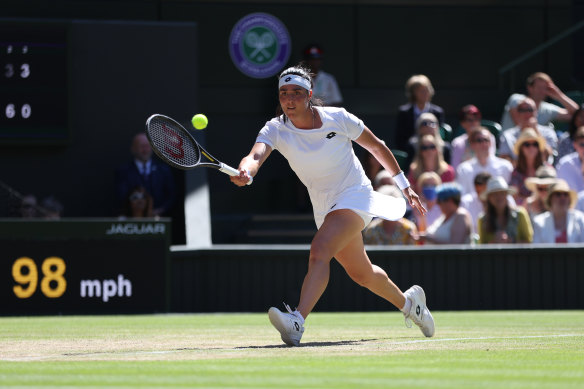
232 172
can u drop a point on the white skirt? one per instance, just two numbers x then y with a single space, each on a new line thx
364 201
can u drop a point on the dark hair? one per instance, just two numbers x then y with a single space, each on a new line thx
522 161
303 71
572 129
127 207
490 220
482 178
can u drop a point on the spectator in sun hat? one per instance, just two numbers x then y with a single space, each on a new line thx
545 176
470 118
501 222
562 223
570 167
325 84
530 149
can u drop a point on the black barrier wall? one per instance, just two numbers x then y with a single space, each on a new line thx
454 278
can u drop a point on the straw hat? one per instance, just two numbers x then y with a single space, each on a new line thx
527 135
561 186
496 184
544 175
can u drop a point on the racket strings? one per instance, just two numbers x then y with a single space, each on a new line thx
173 143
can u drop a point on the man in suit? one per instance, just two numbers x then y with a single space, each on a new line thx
419 91
145 171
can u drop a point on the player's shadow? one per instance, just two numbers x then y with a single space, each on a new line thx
311 344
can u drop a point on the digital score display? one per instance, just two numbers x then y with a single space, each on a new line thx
33 82
70 266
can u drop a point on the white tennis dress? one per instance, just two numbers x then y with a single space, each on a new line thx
324 160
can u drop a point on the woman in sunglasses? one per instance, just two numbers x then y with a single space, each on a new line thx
426 124
429 158
562 223
530 151
138 204
538 186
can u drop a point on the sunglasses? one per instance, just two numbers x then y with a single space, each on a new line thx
480 140
471 119
542 188
427 147
561 194
137 196
427 123
522 110
530 144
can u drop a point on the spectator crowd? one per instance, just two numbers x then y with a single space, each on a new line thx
519 180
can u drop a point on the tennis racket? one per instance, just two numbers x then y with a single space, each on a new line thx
177 147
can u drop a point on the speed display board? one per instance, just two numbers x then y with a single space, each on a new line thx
89 266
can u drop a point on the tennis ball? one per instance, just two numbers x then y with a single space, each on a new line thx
200 121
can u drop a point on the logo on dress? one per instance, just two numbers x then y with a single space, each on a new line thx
259 45
331 135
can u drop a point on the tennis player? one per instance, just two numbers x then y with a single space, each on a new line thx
316 141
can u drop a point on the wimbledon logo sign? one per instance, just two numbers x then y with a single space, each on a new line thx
259 45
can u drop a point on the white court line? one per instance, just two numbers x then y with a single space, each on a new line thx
486 338
152 352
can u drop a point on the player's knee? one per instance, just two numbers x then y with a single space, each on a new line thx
319 253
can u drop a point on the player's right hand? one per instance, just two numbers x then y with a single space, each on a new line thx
242 179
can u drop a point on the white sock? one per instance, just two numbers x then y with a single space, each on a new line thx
407 306
299 316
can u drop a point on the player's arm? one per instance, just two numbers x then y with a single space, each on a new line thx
250 164
383 154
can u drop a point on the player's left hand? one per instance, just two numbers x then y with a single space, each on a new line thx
414 200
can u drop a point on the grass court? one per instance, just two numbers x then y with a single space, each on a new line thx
486 349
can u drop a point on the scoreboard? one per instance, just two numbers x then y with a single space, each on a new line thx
34 103
84 266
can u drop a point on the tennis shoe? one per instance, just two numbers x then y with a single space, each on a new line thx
288 324
419 312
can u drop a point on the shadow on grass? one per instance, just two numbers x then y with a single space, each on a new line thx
311 344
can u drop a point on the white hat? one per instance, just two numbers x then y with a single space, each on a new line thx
561 186
496 184
544 175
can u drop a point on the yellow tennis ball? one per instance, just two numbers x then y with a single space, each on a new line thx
200 121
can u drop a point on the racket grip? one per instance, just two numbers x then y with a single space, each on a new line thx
232 172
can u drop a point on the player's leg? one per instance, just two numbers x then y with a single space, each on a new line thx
356 263
338 228
412 303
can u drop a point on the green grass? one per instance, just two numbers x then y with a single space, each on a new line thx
527 349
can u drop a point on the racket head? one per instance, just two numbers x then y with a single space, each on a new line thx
172 142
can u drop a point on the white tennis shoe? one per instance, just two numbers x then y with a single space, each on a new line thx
419 312
288 324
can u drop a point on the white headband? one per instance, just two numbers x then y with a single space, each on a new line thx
295 80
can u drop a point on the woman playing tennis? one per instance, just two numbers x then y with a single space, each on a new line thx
316 141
